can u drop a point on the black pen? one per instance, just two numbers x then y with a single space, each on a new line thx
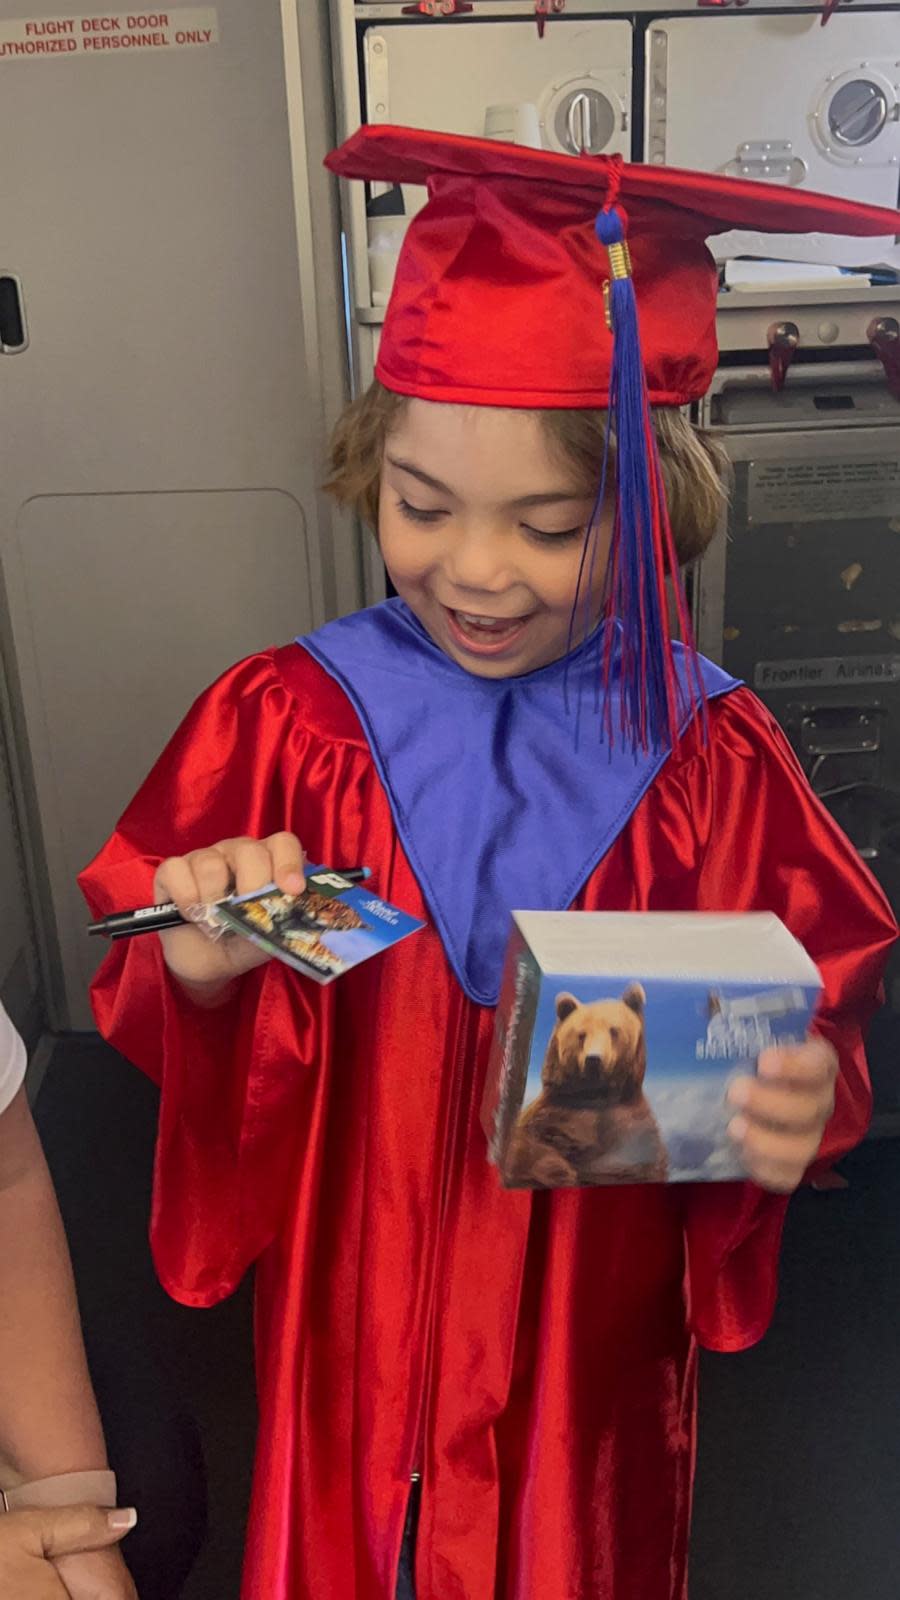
152 919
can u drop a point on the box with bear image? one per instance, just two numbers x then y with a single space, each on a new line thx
618 1034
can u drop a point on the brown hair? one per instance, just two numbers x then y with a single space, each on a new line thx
694 466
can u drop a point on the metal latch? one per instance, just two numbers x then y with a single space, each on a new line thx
883 334
841 730
783 339
768 158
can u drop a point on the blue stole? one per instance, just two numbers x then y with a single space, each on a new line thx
498 808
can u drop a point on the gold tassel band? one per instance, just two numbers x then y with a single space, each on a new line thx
619 260
619 267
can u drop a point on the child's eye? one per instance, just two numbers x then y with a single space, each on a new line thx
563 536
418 514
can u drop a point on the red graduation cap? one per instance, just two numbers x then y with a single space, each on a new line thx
516 286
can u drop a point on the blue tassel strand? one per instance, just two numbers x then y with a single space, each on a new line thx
650 698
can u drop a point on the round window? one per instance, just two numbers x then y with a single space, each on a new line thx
585 122
857 113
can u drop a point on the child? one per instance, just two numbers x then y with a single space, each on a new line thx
493 1389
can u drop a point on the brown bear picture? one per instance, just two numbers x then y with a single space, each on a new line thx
591 1122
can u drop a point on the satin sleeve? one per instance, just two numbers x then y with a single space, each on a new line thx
237 1083
770 845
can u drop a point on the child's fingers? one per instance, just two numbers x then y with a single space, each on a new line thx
801 1066
788 1109
287 862
175 881
776 1161
242 865
252 865
213 871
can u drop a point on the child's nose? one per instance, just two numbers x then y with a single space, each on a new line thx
476 563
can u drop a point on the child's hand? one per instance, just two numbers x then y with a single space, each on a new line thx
782 1113
236 866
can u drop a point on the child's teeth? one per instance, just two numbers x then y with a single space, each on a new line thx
482 622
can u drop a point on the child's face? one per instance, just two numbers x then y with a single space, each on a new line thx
481 527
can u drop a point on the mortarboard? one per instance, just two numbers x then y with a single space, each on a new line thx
532 279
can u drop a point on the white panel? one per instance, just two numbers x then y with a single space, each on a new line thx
448 78
111 657
816 106
163 432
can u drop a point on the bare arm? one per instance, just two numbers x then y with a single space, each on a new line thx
48 1416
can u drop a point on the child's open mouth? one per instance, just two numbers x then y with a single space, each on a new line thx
485 636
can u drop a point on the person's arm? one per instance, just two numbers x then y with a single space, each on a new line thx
48 1416
49 1423
238 1072
770 845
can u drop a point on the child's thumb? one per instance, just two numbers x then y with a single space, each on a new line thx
69 1530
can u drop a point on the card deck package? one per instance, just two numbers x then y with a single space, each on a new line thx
324 932
617 1036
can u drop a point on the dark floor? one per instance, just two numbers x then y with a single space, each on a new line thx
798 1494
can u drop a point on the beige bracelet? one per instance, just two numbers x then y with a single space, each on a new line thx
68 1489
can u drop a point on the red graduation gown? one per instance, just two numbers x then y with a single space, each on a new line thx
532 1355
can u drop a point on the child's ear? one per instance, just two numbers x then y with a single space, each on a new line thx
565 1005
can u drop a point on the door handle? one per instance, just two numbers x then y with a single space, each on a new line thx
13 328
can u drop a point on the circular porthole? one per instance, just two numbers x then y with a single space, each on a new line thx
584 122
857 113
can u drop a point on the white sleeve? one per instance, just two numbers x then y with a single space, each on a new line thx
13 1061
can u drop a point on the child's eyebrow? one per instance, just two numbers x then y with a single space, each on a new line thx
553 497
547 497
416 472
